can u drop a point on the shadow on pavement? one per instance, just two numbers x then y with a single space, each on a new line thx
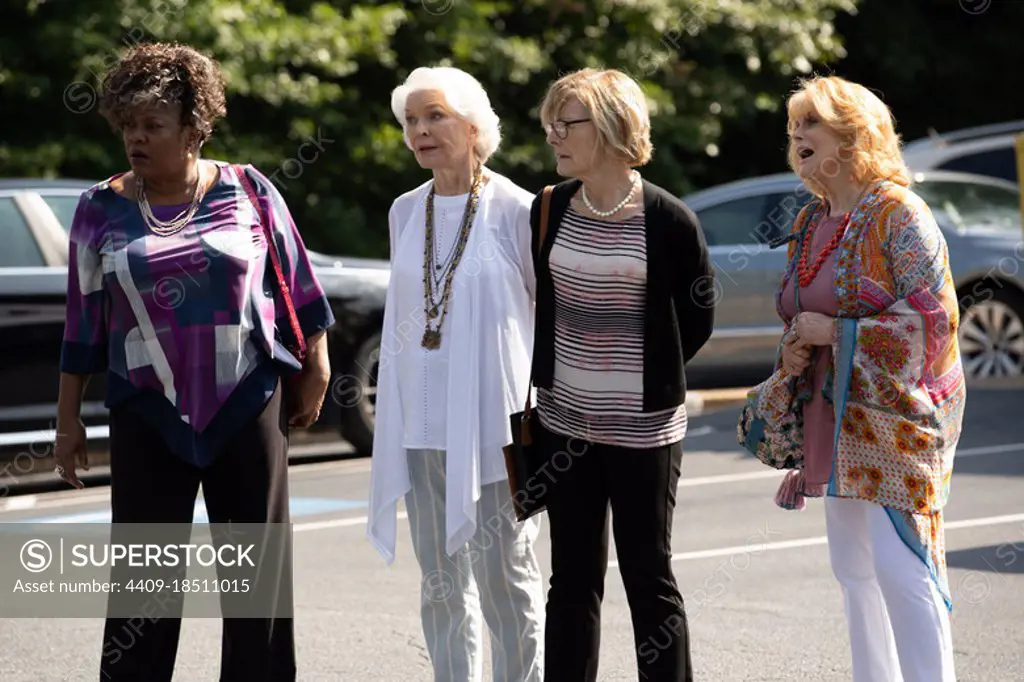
1007 557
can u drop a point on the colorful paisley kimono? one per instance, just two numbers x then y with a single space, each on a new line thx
897 383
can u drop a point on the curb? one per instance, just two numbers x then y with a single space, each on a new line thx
1011 384
31 468
703 401
38 475
700 402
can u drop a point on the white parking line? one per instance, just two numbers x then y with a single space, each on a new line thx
70 498
774 473
336 523
73 498
755 548
707 553
321 449
728 478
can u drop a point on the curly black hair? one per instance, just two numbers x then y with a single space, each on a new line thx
169 73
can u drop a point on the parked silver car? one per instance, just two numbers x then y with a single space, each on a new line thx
980 217
985 150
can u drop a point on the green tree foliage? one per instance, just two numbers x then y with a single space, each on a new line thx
940 65
309 83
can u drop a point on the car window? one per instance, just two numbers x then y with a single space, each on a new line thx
997 163
63 206
733 222
968 204
780 212
20 248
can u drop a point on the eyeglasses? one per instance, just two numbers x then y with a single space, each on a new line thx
561 128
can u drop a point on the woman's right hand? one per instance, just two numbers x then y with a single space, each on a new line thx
796 356
70 451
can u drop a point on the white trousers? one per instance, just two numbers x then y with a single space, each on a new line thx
494 579
898 622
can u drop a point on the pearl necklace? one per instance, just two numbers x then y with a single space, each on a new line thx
618 207
175 225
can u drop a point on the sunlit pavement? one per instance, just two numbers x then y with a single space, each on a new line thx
762 602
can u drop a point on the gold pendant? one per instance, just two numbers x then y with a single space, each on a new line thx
432 312
431 339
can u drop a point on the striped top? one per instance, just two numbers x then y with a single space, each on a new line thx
599 273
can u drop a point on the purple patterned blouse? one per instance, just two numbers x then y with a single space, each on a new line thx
188 327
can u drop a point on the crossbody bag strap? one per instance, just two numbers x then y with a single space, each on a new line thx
545 210
299 350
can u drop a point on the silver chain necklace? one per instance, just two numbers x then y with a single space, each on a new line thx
167 228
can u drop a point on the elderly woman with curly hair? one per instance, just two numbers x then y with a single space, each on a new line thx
455 363
871 314
175 292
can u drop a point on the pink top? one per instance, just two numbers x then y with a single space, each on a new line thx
819 297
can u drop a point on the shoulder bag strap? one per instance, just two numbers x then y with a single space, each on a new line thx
299 350
545 209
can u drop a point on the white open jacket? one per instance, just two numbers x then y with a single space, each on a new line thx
490 331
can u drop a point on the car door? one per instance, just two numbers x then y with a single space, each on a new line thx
781 209
746 325
32 298
62 203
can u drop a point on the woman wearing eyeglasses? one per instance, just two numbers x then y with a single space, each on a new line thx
625 298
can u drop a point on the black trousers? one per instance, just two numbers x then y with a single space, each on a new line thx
247 484
640 488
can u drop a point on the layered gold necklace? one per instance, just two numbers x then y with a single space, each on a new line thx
434 308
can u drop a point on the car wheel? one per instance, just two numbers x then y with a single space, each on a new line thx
359 409
992 337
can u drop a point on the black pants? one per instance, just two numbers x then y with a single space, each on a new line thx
640 488
247 484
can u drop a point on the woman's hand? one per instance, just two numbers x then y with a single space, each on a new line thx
310 388
70 451
307 398
796 356
815 329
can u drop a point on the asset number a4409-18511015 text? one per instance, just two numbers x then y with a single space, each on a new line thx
185 586
64 587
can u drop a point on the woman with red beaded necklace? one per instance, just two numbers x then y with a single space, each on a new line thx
871 316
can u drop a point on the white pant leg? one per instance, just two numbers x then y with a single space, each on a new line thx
511 586
872 643
449 599
917 611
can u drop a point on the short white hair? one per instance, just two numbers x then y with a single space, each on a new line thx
464 95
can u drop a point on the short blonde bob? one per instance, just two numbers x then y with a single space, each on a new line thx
617 106
863 123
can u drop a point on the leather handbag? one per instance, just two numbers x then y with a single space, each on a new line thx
523 458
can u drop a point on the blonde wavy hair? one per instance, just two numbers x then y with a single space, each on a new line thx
865 126
617 106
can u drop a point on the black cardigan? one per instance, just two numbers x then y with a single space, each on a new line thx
681 295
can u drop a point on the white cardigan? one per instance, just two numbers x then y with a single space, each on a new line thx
490 331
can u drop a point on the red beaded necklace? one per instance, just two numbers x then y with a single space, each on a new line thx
808 273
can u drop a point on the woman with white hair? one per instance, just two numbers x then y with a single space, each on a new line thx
454 364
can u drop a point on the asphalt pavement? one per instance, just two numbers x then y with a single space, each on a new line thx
761 599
